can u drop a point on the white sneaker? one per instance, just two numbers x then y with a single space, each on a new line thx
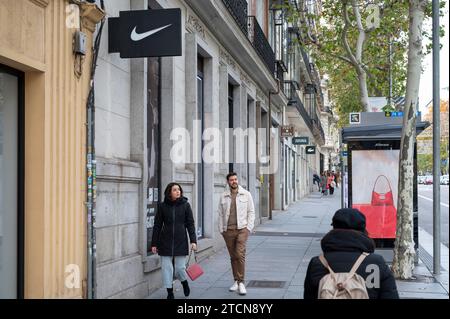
234 287
242 290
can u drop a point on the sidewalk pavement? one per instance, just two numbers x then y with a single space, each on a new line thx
278 254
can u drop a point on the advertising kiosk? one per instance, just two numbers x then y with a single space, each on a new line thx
371 175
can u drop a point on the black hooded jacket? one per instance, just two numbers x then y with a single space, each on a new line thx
341 248
169 231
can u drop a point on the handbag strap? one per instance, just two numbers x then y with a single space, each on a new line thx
376 181
195 257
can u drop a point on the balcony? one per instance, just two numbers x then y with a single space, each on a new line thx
260 44
227 21
239 11
290 89
279 72
307 62
311 121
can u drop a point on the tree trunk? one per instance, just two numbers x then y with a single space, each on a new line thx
356 58
404 253
363 92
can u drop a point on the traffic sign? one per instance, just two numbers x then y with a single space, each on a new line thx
355 118
397 114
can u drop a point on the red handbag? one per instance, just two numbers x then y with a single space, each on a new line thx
382 199
381 214
195 270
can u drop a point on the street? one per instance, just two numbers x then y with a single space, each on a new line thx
426 210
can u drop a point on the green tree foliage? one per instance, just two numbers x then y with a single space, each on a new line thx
384 22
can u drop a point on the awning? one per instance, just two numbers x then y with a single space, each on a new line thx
377 132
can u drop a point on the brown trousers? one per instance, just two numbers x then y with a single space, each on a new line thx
236 241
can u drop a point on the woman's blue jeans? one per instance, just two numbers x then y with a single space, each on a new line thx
168 269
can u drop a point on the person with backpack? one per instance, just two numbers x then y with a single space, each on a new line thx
173 222
348 267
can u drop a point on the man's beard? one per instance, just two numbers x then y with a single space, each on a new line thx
234 186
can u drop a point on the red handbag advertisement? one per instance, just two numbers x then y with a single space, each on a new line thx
374 190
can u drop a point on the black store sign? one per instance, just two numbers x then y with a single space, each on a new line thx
310 150
146 33
300 140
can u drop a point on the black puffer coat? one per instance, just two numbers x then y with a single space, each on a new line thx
172 220
341 249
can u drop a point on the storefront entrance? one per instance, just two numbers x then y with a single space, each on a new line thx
11 186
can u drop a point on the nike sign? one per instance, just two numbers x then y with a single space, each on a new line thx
145 33
139 36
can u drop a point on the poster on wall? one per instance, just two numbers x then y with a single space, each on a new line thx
375 189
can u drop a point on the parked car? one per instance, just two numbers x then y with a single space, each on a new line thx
429 180
444 180
421 179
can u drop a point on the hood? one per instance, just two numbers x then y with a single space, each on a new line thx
178 202
347 240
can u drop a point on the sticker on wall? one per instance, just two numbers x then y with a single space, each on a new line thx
150 220
155 194
150 195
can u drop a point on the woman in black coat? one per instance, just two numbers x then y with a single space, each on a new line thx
173 220
341 247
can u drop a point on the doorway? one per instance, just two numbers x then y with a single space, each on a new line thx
11 183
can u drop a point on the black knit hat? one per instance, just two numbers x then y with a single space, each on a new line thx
349 218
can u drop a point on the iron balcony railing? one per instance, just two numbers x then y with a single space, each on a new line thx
279 72
290 89
312 121
318 131
307 61
260 43
239 11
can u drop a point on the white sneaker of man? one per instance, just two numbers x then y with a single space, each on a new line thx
242 290
234 287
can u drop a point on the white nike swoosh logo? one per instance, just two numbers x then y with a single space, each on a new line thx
139 36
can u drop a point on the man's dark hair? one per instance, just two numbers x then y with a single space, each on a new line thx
230 174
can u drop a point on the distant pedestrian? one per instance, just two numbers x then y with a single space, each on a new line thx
236 220
173 220
337 179
323 184
343 248
330 183
316 180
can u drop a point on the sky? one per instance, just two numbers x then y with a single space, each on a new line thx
426 80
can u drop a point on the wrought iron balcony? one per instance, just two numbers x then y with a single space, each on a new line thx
260 43
290 89
279 72
311 120
307 61
318 132
239 11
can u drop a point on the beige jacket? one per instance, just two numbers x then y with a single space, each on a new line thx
245 210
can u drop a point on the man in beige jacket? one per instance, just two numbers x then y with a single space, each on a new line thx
236 221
